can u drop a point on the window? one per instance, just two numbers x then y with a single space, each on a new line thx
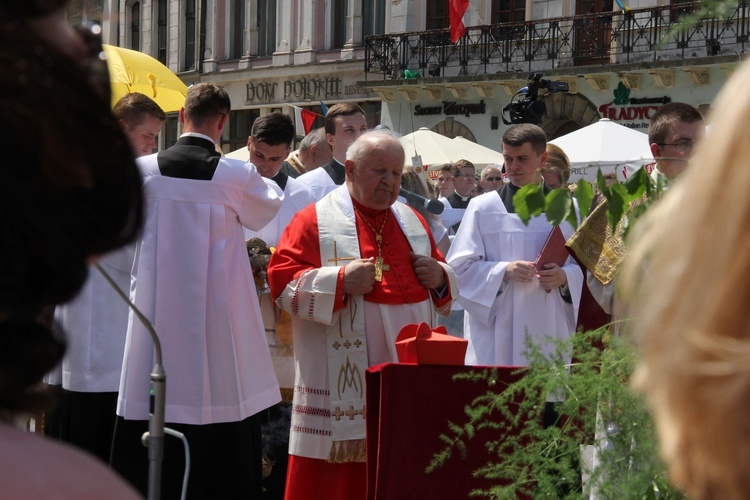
238 129
266 27
171 127
237 47
338 23
373 17
161 31
438 15
135 26
508 11
189 35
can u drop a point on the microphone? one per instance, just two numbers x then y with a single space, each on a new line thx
433 206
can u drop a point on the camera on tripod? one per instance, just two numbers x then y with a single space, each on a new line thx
524 106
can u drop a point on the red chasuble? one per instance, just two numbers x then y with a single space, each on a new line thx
299 252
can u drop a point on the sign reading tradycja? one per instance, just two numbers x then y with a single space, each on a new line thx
304 88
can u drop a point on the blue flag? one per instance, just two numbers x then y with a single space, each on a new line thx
324 108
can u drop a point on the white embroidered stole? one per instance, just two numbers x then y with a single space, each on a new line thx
346 342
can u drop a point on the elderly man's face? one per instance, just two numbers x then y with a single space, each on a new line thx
376 180
492 179
267 159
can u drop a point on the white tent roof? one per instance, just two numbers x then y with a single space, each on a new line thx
437 150
606 145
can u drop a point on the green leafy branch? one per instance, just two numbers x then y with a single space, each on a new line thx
558 206
532 460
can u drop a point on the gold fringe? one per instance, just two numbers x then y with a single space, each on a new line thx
354 450
287 395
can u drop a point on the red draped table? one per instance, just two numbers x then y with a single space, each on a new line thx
408 408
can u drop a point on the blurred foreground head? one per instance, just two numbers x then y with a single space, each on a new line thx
70 188
686 280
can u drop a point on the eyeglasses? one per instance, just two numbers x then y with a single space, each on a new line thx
493 179
682 145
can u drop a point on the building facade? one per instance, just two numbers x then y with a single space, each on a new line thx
618 62
396 59
270 55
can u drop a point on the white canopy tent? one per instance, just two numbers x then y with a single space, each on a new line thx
436 150
605 145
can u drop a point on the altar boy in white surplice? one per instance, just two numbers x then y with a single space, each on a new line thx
192 279
504 295
352 270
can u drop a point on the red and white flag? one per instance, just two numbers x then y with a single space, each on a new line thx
303 120
457 11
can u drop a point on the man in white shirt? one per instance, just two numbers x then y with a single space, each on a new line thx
344 123
96 321
505 296
192 280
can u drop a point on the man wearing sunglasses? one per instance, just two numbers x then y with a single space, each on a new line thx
492 178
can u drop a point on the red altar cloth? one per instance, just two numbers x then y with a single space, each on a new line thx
408 407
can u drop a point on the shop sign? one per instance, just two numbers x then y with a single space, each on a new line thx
632 112
301 89
451 108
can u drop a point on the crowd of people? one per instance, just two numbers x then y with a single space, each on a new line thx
351 266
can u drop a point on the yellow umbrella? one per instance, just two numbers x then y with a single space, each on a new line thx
132 71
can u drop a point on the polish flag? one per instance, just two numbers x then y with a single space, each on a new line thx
457 11
303 120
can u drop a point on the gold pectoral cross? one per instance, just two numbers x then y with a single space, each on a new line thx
380 266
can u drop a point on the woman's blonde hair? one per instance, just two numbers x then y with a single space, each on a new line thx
686 283
557 161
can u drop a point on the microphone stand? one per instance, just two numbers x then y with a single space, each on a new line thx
154 438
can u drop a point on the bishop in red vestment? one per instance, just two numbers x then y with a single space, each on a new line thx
352 270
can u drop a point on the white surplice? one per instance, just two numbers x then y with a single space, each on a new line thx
297 196
319 181
499 315
192 279
95 323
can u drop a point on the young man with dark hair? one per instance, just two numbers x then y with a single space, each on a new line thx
506 297
344 123
192 280
269 144
674 129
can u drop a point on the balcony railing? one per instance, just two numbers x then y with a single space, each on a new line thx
601 38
